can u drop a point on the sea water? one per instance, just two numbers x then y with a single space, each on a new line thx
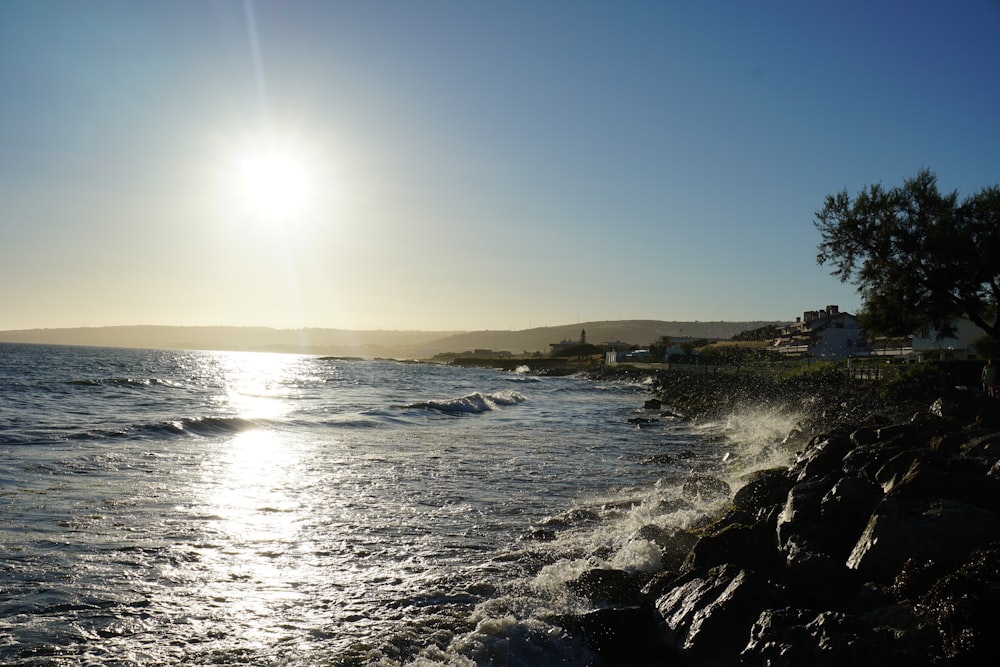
222 508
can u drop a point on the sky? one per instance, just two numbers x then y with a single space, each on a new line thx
456 165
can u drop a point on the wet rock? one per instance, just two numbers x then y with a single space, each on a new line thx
801 515
751 546
923 481
964 606
674 544
864 436
823 455
705 488
539 535
817 577
710 614
652 404
793 637
624 635
850 501
608 586
944 531
766 489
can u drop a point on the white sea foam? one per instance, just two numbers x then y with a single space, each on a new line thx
752 438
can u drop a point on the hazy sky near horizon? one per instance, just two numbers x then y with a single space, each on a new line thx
449 165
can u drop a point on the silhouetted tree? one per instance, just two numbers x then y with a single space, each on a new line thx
660 347
766 332
917 257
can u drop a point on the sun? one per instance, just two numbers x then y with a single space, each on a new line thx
273 184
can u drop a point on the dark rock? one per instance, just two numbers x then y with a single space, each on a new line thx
540 535
624 635
964 607
751 546
897 431
817 577
801 515
608 586
865 461
823 456
864 436
923 481
944 531
674 545
766 489
652 404
658 460
984 448
850 502
795 637
710 615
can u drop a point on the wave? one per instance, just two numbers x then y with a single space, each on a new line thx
123 382
201 426
186 427
474 403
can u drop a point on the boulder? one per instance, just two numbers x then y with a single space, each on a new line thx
751 546
964 606
764 490
710 613
794 637
851 500
943 531
817 578
923 481
674 545
624 635
608 586
822 456
801 515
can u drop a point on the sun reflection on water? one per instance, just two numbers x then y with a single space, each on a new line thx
253 497
258 385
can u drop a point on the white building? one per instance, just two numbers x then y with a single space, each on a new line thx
827 334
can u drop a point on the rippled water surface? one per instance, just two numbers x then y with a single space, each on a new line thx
165 507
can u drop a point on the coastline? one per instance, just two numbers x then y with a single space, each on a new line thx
880 543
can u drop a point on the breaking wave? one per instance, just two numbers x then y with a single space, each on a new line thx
474 403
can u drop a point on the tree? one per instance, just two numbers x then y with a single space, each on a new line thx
658 349
766 332
917 257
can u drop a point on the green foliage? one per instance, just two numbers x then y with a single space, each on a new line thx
918 258
767 332
986 347
660 347
929 379
727 355
690 346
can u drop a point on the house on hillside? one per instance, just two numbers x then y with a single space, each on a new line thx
827 334
929 343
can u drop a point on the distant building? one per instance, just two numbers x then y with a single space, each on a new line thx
827 334
929 342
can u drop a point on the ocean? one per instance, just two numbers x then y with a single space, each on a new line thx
221 508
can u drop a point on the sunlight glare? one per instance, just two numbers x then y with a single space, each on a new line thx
274 184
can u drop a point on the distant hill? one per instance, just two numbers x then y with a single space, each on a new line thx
376 343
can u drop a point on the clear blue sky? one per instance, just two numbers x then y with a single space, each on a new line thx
464 165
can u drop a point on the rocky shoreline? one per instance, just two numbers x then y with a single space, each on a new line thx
879 545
